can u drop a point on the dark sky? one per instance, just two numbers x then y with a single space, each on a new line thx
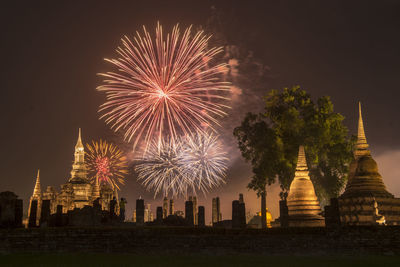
51 52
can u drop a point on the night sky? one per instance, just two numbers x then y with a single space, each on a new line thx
52 51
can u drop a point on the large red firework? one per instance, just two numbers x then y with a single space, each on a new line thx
164 86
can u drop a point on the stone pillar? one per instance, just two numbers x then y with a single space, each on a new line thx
194 200
32 214
189 213
216 212
171 207
45 213
201 217
235 214
140 212
7 206
283 213
159 217
18 212
165 207
59 221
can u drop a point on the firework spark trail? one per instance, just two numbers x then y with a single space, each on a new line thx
164 87
192 163
106 163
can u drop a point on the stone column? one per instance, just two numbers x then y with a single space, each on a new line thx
45 213
171 207
32 214
159 216
189 213
140 212
165 207
59 221
201 217
216 212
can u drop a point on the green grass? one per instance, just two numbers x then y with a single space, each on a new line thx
87 260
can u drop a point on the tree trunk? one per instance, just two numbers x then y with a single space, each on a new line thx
264 209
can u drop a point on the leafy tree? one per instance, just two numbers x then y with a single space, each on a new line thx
254 135
270 142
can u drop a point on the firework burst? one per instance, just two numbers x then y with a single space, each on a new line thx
164 87
193 163
107 163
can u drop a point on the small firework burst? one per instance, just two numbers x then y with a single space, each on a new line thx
164 87
193 163
204 161
107 163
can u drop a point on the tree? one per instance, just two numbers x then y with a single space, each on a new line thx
259 145
292 119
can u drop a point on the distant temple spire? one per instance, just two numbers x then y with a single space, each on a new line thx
37 190
362 145
79 167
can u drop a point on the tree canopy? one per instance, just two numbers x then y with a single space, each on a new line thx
270 142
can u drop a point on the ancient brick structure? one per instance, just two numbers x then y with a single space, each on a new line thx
365 200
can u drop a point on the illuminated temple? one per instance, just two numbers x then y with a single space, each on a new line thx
303 205
365 200
77 192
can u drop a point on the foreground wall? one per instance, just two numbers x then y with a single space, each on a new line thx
362 240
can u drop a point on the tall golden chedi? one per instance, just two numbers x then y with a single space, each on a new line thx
303 205
365 195
37 195
81 188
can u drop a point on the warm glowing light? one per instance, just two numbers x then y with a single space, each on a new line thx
106 163
164 86
192 163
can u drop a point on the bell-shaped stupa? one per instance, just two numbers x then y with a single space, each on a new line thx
365 192
303 205
364 178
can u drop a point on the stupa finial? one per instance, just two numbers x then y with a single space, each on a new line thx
362 145
37 189
301 168
79 142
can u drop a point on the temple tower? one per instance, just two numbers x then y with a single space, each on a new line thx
37 195
81 188
364 187
78 172
302 202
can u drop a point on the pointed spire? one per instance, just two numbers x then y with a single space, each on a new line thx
301 168
301 159
79 142
362 145
37 190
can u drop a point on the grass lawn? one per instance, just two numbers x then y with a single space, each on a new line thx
87 260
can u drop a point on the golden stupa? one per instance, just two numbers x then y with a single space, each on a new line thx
303 205
365 195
